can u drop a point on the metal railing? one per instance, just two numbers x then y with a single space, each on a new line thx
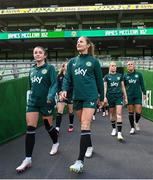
140 64
15 69
11 70
144 64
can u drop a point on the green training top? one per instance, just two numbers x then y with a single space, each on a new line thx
114 83
134 84
85 74
42 84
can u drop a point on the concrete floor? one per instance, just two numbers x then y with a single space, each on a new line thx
132 159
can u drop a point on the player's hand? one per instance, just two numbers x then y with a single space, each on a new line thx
105 100
101 104
126 100
62 95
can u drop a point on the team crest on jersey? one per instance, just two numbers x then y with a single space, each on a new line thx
88 64
118 78
136 76
44 71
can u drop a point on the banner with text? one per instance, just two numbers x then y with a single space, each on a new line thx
71 34
120 7
147 110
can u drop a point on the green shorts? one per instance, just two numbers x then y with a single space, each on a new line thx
44 110
114 100
134 100
79 104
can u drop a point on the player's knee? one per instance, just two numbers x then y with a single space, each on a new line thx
119 117
85 126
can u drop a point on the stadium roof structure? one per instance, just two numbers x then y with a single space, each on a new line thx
46 3
39 16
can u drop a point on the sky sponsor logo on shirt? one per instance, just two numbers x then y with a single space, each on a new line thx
114 84
80 71
132 81
36 79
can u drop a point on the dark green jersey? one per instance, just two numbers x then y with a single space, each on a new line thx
134 84
114 83
84 72
42 84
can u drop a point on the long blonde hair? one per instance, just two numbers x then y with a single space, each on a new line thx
62 69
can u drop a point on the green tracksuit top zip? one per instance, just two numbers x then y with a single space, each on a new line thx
84 72
134 84
42 84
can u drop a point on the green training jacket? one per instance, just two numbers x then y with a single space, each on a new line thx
134 84
114 83
42 84
85 74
